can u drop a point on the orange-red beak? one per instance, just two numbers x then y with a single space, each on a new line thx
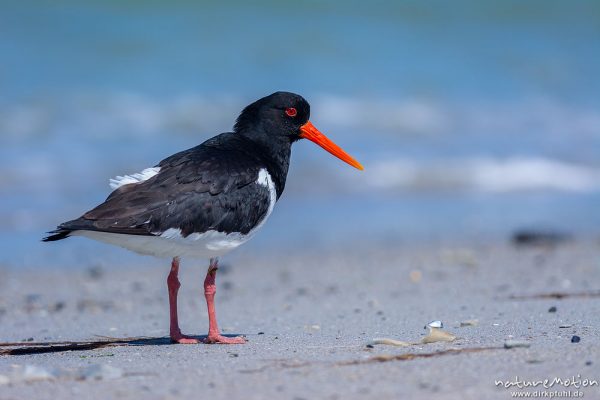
308 131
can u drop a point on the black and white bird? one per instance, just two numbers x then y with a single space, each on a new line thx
208 200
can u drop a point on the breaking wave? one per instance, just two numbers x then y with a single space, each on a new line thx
484 175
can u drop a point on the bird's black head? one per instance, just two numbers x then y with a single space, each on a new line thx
279 114
278 120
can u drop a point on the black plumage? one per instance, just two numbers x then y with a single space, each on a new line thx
208 187
200 189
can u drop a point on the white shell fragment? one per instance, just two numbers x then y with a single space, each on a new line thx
436 324
512 343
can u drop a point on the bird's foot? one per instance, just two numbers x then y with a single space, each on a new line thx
183 339
220 339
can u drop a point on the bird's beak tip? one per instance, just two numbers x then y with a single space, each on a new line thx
308 131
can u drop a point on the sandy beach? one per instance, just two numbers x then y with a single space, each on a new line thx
309 317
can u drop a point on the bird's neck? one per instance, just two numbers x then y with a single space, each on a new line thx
274 151
277 158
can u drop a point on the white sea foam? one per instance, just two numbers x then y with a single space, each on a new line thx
421 116
484 174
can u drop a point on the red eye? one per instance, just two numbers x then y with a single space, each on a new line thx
291 112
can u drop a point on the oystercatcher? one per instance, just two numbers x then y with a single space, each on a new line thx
208 200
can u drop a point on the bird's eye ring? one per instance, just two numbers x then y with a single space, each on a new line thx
291 112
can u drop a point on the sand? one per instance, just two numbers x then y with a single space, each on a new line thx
308 317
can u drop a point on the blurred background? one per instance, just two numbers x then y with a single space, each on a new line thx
473 119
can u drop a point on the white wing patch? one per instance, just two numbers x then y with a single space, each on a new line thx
264 178
146 174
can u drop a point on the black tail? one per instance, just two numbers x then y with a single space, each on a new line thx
58 234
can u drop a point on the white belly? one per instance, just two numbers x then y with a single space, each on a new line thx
205 245
171 243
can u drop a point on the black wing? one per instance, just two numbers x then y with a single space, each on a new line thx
208 187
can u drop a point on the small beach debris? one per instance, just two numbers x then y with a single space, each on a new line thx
552 309
436 334
575 339
556 295
534 361
435 324
415 276
389 342
462 257
515 343
100 372
469 322
96 272
565 326
312 328
414 356
94 306
56 307
36 373
539 238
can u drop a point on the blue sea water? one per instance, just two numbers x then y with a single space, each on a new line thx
472 119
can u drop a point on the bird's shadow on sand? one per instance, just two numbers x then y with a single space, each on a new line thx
24 348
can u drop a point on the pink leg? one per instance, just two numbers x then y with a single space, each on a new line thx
209 292
173 285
